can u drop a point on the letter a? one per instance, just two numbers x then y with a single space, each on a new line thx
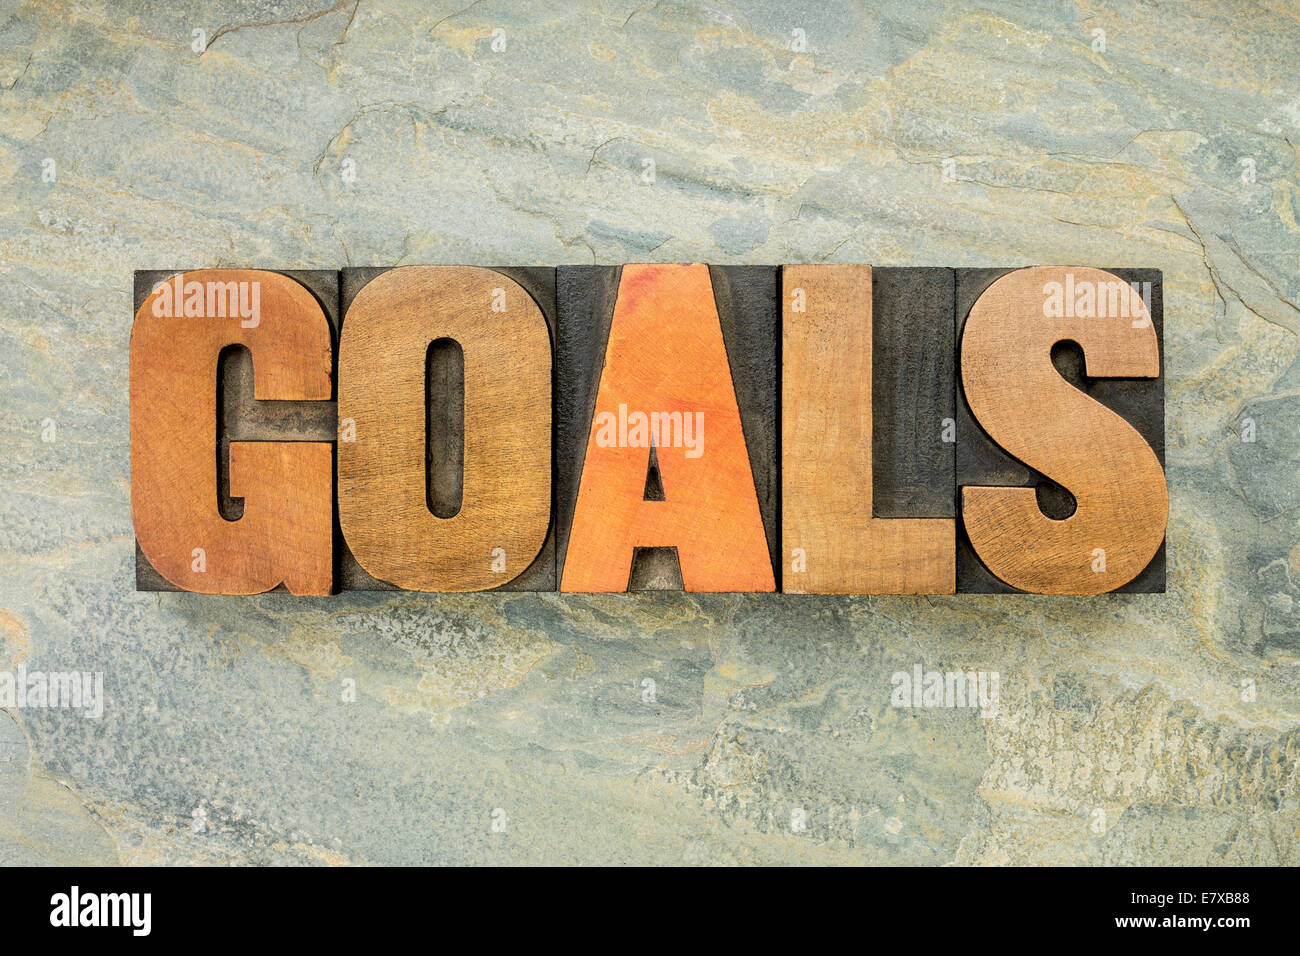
666 354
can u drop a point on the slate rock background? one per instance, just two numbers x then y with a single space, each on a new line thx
1124 734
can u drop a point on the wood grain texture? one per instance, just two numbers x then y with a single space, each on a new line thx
980 461
383 482
284 534
242 417
913 393
584 297
826 451
664 355
655 569
750 315
1045 423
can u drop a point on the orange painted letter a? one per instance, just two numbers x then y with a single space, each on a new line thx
666 385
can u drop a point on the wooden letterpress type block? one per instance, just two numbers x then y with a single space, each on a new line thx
666 404
231 466
833 538
445 382
1060 429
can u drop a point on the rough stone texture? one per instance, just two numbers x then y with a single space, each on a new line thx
1123 733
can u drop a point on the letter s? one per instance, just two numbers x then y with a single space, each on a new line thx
1036 415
